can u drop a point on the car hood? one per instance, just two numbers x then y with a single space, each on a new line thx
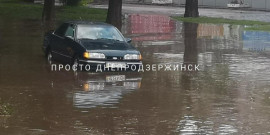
105 45
113 48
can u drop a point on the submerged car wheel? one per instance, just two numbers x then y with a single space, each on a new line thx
75 61
49 57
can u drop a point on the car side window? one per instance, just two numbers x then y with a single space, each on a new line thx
61 30
70 31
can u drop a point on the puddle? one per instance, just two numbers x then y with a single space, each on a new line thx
230 95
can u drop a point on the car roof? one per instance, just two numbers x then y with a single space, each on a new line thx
87 23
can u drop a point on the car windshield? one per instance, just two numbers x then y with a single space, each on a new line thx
96 32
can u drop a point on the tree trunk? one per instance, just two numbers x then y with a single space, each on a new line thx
48 15
190 54
190 41
191 9
114 15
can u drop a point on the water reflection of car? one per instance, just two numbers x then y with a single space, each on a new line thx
104 89
80 42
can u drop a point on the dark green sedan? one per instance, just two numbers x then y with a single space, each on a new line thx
93 43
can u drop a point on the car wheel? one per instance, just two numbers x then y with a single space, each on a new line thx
75 61
49 57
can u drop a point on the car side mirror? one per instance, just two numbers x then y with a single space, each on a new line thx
49 32
70 37
128 40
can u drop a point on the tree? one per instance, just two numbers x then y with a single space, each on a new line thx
48 14
191 8
114 15
190 41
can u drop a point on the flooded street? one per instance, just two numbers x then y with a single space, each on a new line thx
229 95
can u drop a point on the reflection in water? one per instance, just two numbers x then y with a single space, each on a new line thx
190 40
231 81
210 31
153 27
229 96
103 89
256 41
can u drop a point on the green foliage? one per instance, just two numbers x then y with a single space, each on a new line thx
12 1
220 21
34 11
72 2
81 13
252 25
28 0
258 28
85 2
76 2
9 1
20 10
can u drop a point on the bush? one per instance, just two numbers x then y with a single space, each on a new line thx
29 1
85 2
72 2
76 2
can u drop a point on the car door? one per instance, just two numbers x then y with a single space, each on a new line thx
58 47
69 42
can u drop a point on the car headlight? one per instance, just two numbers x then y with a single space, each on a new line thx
133 57
89 55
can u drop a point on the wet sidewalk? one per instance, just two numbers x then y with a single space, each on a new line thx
178 11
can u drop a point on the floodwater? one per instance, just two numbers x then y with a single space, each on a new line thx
229 95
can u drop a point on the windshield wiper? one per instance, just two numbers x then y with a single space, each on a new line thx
86 39
108 39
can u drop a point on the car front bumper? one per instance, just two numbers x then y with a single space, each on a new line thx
134 65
